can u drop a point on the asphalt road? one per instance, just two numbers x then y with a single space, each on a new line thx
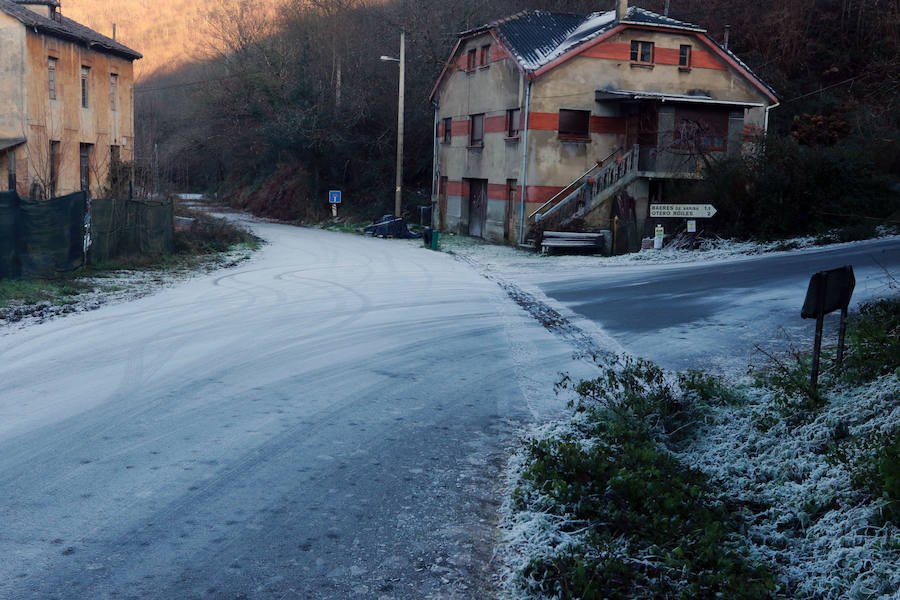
329 420
713 315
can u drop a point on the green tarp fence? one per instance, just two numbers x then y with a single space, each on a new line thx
46 237
9 211
130 228
51 235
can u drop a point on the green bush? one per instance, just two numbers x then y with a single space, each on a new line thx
874 466
208 234
653 527
873 338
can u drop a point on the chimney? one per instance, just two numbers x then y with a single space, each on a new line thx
45 8
727 36
621 9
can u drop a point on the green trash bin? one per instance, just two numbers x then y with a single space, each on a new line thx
434 240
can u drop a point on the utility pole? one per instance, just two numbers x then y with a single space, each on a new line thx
398 199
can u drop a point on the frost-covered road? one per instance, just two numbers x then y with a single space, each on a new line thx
711 314
327 420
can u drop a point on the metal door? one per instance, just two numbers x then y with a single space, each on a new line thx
477 206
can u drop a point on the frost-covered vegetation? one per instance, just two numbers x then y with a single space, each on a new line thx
681 486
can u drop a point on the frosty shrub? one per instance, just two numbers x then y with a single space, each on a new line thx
874 340
642 523
874 466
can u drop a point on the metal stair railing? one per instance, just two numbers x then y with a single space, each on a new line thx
584 193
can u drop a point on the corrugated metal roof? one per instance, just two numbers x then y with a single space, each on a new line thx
67 29
537 37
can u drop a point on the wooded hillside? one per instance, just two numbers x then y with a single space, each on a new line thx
169 33
306 97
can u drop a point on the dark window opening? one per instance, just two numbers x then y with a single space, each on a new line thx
54 168
513 122
484 58
700 130
85 167
574 124
476 135
470 61
642 52
448 130
11 159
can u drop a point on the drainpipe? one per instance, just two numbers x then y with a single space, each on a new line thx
766 122
434 165
524 185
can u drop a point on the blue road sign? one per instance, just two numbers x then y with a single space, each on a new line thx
334 197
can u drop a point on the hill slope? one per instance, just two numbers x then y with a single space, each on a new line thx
169 33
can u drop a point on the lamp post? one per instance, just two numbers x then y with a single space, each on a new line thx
402 60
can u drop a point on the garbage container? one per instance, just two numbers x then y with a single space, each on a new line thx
426 236
434 239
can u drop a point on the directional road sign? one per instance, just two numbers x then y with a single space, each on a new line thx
334 197
685 211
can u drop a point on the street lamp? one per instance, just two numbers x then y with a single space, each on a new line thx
402 60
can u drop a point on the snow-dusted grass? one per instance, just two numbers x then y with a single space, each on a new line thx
789 476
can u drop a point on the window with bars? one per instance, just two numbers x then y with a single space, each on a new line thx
113 91
85 79
51 76
54 167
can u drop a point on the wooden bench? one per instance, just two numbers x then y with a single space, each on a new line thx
564 240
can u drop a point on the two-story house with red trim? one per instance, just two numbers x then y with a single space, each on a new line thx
548 116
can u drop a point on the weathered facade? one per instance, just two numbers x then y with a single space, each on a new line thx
532 107
66 102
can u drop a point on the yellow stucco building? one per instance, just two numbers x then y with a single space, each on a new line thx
66 102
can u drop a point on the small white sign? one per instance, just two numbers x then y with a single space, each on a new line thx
692 226
684 211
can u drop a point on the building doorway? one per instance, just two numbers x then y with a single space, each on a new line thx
477 206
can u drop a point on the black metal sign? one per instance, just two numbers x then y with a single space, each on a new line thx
828 291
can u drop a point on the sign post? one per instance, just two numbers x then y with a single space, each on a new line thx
334 198
828 291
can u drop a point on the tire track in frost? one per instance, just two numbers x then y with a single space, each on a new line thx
552 320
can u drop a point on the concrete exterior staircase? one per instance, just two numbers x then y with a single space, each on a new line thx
589 191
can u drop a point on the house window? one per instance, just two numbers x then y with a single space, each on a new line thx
11 159
574 124
448 130
484 58
54 168
51 77
85 167
115 155
85 72
642 52
512 122
684 57
113 90
476 133
470 60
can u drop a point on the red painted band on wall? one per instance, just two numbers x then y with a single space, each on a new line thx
495 124
460 127
550 122
497 191
661 56
539 194
614 125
